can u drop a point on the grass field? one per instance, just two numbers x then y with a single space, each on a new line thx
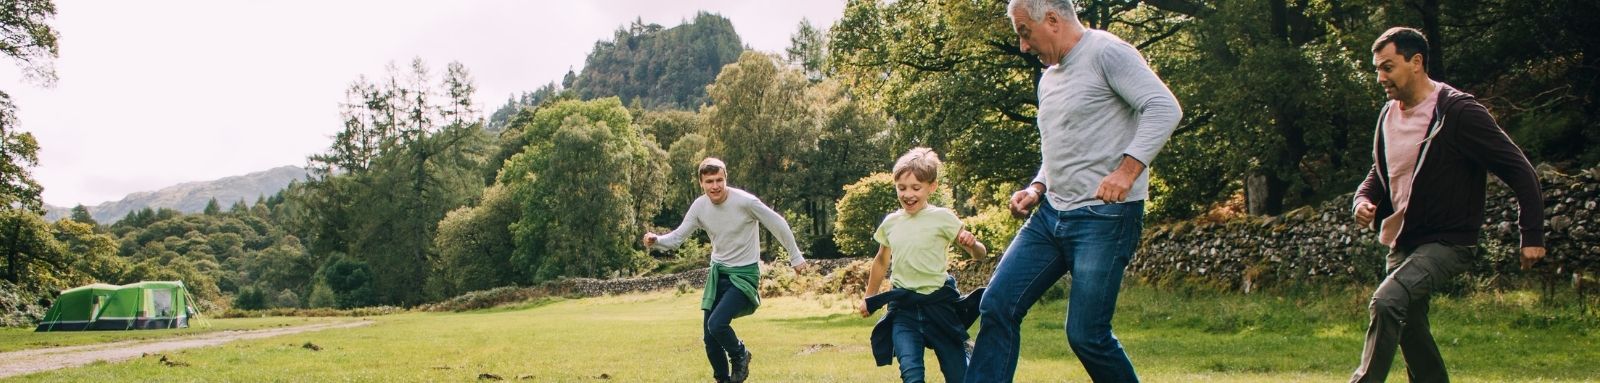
1172 336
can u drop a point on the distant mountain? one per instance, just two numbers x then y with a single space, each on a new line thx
191 197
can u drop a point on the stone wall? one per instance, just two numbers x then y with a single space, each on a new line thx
589 287
1324 244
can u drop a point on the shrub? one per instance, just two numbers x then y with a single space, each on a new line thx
863 207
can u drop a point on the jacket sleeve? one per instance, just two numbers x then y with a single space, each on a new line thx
1488 146
1370 189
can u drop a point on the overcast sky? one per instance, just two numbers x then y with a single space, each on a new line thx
155 93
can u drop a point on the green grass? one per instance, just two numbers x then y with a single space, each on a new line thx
1172 335
19 338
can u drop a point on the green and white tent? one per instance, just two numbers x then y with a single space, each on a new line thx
143 305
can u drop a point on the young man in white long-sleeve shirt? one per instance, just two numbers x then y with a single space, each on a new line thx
1103 116
730 217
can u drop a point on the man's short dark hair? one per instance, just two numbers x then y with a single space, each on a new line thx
1407 42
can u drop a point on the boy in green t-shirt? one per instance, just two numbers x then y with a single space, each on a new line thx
925 309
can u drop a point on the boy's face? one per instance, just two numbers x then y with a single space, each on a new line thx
912 192
716 186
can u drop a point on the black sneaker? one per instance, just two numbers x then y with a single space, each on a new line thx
741 368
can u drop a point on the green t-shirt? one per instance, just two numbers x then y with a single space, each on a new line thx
918 245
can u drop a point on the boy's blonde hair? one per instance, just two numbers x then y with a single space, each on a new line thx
921 162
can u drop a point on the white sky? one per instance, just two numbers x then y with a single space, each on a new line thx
155 93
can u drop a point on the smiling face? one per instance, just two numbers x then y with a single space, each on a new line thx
715 185
1398 74
912 192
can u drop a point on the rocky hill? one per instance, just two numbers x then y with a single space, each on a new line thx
191 197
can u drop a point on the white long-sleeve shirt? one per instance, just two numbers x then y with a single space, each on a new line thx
732 227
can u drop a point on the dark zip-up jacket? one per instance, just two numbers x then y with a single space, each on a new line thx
1463 143
946 314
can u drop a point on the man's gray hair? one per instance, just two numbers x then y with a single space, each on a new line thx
1037 9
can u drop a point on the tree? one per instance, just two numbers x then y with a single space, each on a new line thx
91 257
656 67
32 254
586 184
27 38
759 121
400 164
475 246
808 48
81 214
212 208
951 76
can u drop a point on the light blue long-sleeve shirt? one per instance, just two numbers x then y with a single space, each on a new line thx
1101 102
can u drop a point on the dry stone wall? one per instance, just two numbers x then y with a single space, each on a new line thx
696 278
1324 244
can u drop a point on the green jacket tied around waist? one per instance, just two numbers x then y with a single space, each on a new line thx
746 278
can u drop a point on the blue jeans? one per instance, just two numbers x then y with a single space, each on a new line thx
1094 244
722 344
909 341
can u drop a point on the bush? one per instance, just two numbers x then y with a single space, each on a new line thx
20 305
863 207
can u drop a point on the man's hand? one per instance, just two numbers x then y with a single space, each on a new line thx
802 267
649 240
862 307
1023 200
1365 211
1114 188
1531 255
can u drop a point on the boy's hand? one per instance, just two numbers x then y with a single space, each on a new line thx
802 267
649 240
863 308
966 239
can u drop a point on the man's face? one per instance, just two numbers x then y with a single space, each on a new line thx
912 192
1032 36
715 185
1396 73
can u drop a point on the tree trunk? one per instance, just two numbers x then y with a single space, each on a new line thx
1430 28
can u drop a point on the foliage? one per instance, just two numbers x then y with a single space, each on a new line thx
652 67
581 186
862 209
402 162
475 246
759 122
950 76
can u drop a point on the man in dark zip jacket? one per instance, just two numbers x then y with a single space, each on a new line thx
1432 151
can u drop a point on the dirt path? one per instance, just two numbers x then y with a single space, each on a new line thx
30 361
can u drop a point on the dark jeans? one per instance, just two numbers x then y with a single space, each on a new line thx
909 341
722 344
1092 243
1400 313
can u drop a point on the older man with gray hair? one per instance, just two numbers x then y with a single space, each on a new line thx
1103 116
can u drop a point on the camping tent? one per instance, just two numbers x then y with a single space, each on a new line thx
143 305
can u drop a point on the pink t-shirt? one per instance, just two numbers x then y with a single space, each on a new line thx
1404 129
